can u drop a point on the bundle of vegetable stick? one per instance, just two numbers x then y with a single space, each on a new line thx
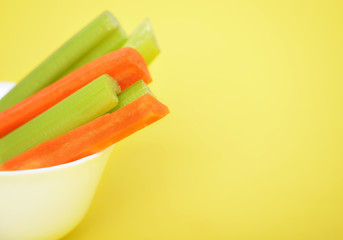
89 94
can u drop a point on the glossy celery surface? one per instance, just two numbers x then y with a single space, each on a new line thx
86 104
82 47
132 93
143 40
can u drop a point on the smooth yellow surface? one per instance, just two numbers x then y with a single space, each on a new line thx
252 148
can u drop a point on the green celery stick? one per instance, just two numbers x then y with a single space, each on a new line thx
113 42
55 66
143 40
117 88
86 104
131 93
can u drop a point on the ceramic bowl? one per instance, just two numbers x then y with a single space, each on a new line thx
47 203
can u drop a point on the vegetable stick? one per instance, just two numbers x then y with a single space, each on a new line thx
125 65
86 104
144 41
91 137
55 66
109 44
132 93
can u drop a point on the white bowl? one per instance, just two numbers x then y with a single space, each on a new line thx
47 203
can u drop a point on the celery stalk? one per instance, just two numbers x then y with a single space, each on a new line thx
143 40
111 43
132 93
55 66
86 104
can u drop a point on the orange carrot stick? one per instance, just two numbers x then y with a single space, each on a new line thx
91 137
125 65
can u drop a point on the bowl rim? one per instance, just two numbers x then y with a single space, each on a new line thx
52 168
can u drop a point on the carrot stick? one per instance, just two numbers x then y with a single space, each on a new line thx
83 106
125 65
91 137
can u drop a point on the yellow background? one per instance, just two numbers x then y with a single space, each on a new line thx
252 148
